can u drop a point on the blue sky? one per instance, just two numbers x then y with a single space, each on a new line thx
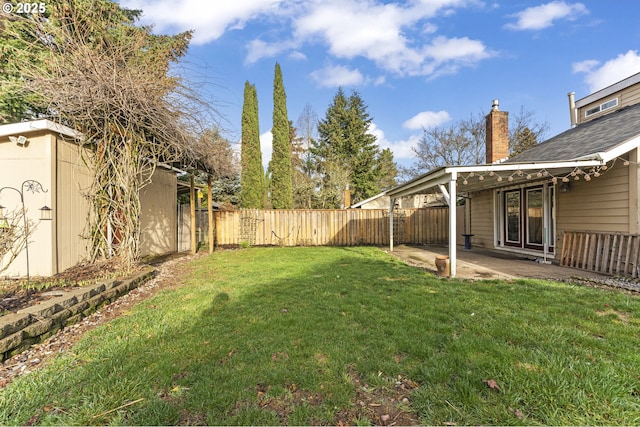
416 63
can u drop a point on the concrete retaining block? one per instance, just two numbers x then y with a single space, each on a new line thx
13 322
35 324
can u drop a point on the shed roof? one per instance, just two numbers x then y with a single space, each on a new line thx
38 125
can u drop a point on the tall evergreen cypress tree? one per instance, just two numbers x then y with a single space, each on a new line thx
281 180
252 190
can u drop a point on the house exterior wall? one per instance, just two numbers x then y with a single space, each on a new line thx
70 206
158 214
601 204
481 218
18 164
626 97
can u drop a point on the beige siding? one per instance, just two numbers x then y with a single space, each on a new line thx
628 96
71 207
482 215
18 164
158 214
601 204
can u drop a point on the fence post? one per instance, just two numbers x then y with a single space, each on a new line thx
192 197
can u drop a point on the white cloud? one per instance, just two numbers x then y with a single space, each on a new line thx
401 149
584 66
338 75
612 71
209 19
258 49
427 119
266 146
381 33
397 36
540 17
297 55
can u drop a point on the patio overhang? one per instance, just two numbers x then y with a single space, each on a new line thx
451 180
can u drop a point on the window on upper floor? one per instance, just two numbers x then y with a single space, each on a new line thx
602 107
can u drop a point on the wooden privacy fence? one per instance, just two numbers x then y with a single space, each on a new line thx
611 253
343 227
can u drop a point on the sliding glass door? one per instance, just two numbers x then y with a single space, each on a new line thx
527 218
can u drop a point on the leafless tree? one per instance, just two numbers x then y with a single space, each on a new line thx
95 71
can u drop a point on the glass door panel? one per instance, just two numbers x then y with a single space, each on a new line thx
535 227
512 223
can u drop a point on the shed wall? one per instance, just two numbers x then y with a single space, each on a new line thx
18 164
71 207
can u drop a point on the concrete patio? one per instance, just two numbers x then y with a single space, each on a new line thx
478 264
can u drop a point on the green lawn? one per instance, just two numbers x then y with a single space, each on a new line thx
300 336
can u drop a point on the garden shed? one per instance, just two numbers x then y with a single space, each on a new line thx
41 165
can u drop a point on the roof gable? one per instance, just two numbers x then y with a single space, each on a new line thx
588 139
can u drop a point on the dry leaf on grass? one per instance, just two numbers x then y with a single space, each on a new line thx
492 384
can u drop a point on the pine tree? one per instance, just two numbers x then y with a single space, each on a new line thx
387 170
252 191
345 144
281 187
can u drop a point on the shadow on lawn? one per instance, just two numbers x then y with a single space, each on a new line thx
309 348
297 336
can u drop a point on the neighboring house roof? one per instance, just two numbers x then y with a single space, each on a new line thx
370 199
589 140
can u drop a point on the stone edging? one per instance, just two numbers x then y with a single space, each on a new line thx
31 325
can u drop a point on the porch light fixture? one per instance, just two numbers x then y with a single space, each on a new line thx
45 213
20 140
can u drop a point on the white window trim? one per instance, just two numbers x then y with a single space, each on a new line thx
549 223
602 107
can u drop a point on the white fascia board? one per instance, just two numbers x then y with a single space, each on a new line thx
23 128
621 149
502 167
377 196
425 182
171 168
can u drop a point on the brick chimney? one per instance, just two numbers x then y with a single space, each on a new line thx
497 134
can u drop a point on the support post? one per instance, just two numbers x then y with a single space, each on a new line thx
452 223
210 212
392 203
192 200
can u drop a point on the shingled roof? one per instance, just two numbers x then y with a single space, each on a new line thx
588 139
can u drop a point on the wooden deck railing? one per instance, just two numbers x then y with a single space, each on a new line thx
340 227
610 253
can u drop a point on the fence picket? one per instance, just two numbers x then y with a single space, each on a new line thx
330 227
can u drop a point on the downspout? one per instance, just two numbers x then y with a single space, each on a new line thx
452 223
